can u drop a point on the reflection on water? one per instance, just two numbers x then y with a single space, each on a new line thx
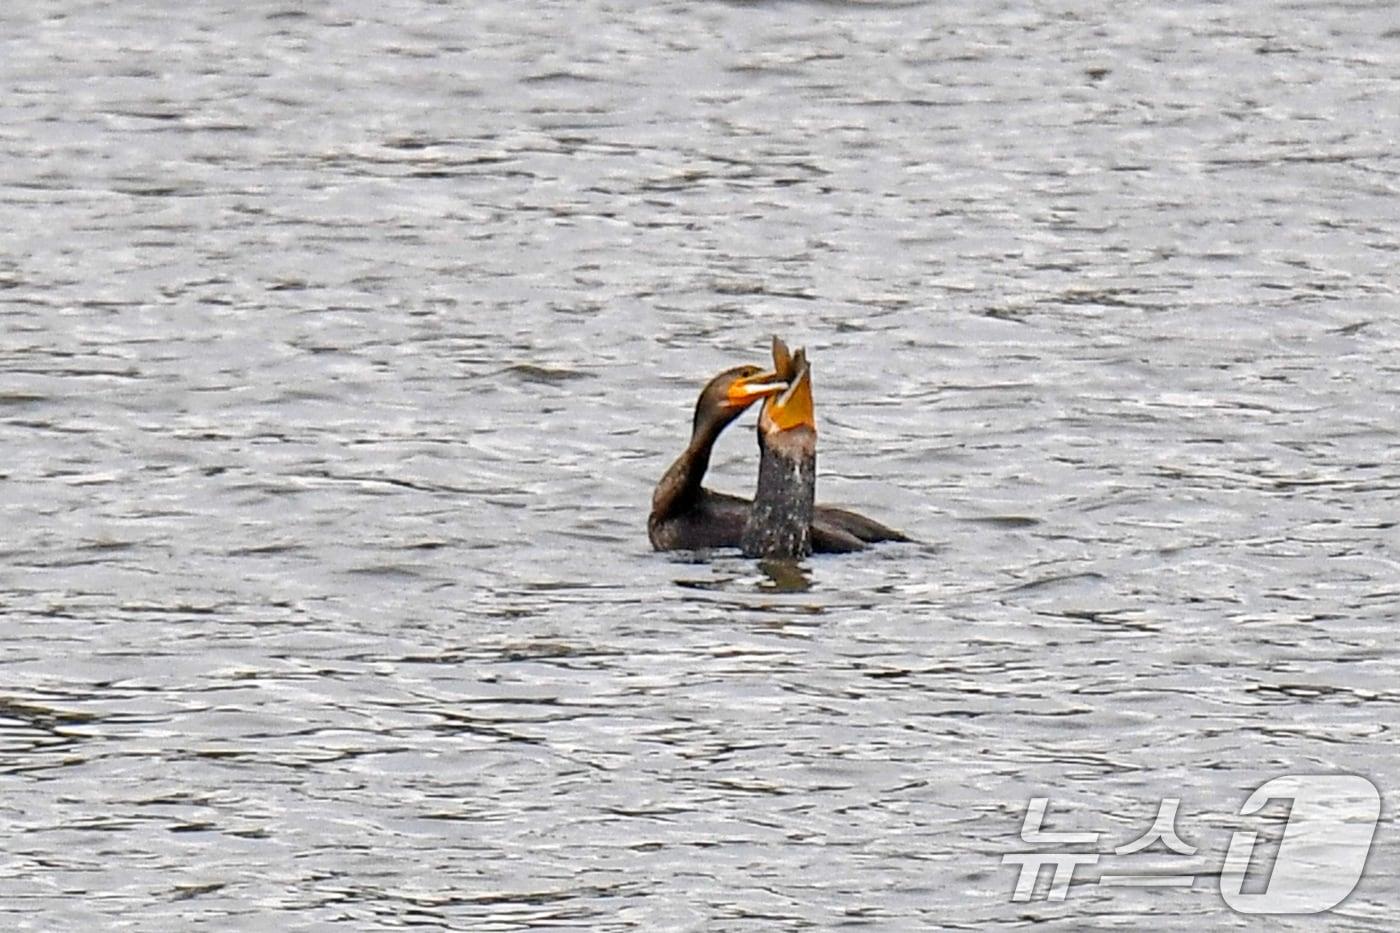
343 346
785 576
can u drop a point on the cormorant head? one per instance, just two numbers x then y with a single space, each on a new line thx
791 407
726 396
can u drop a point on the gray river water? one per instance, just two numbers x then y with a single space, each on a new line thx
343 343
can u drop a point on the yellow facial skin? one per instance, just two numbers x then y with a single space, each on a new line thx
793 408
787 389
744 392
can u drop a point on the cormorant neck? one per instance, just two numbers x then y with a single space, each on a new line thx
681 486
780 519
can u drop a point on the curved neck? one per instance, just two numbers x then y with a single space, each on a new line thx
680 486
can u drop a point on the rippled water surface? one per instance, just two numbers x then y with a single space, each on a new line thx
343 343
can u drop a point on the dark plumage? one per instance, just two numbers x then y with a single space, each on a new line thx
685 515
784 503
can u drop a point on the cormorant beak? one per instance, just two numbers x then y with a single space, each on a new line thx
782 359
793 409
744 392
